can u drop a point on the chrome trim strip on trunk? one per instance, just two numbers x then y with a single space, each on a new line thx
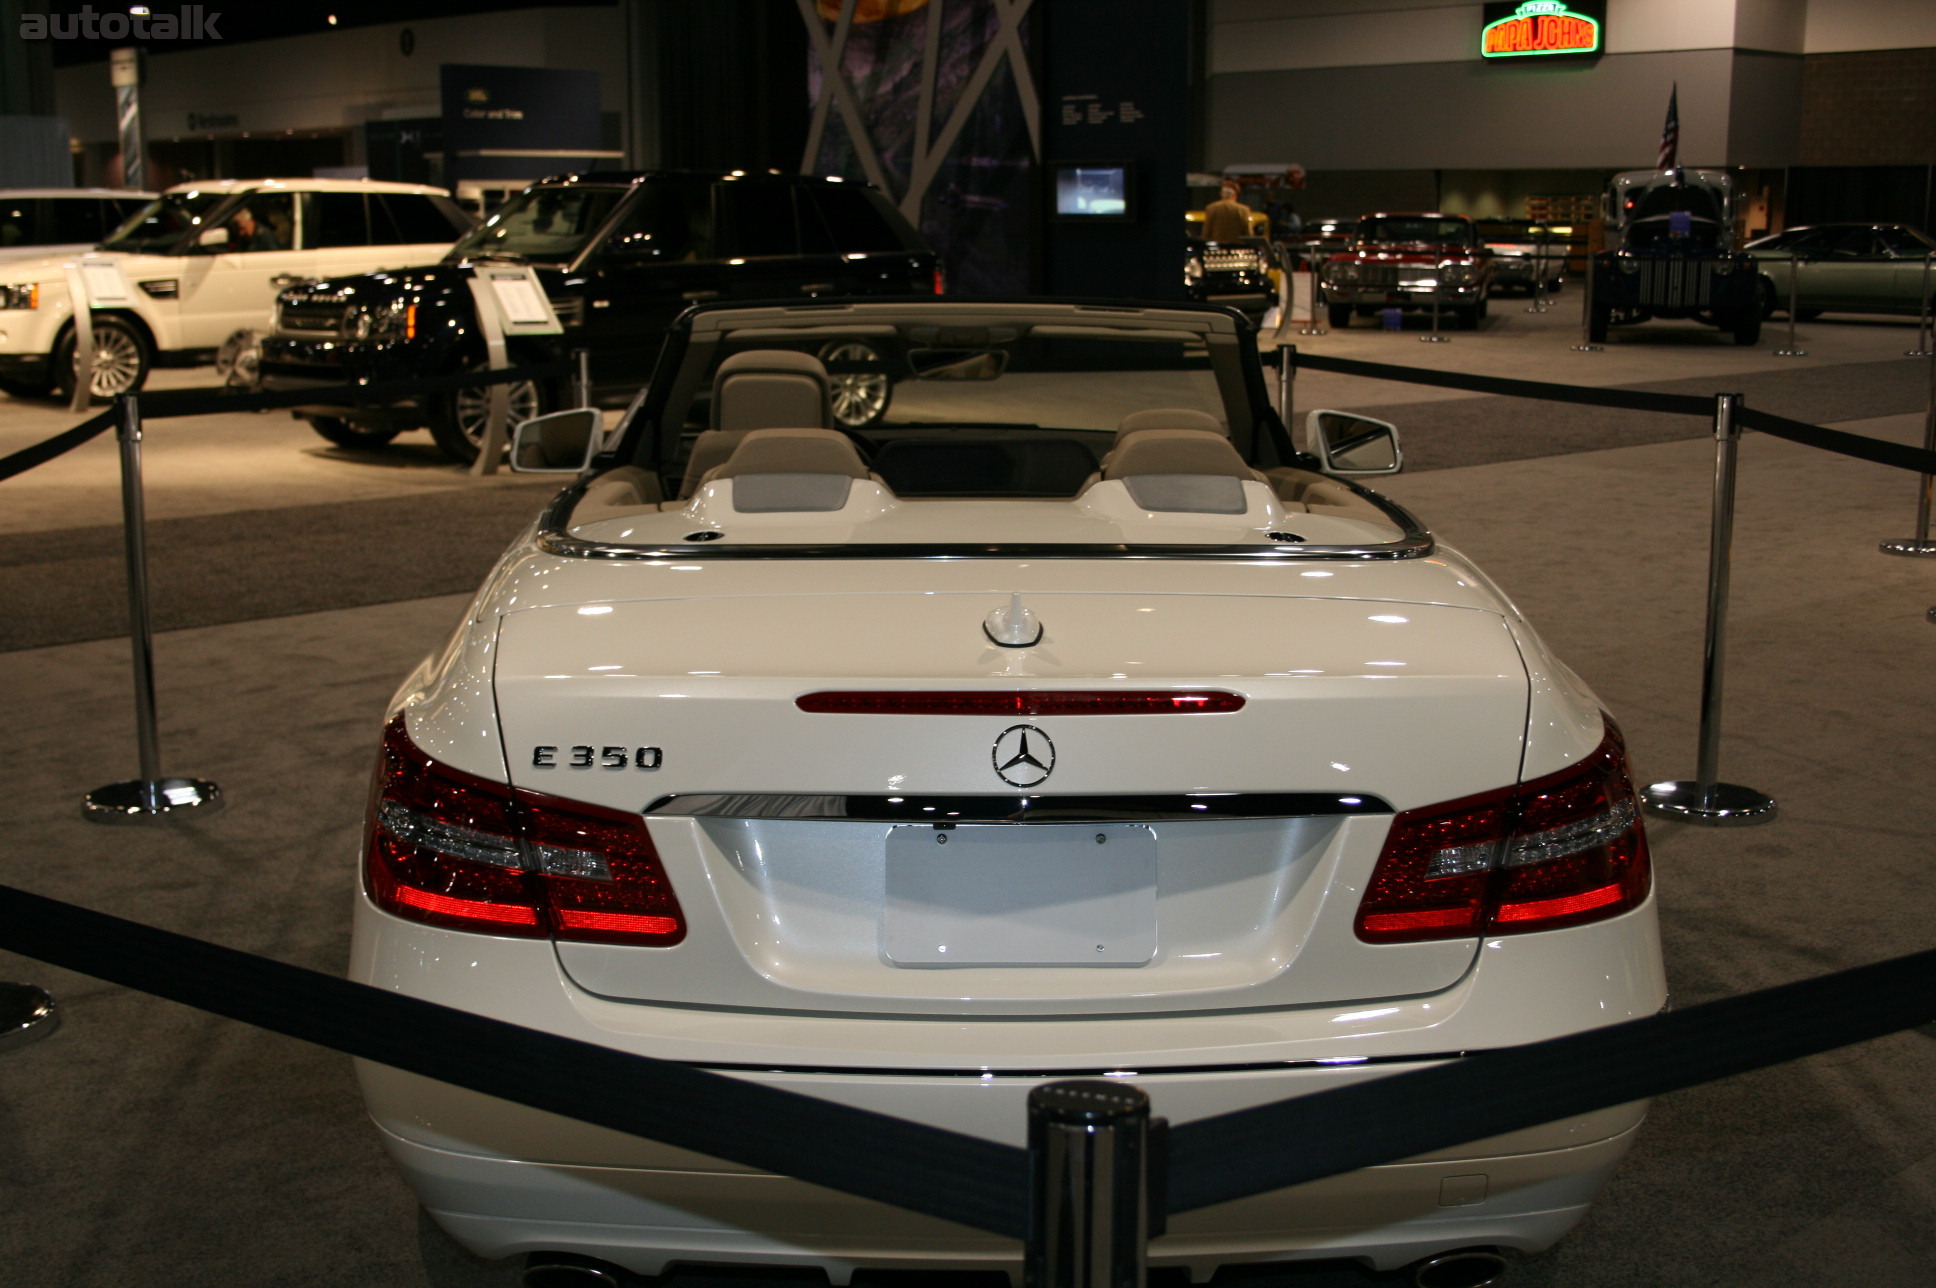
1113 1071
946 811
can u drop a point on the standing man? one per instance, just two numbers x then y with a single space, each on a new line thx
1226 219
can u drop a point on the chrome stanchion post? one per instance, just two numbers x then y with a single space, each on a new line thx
584 360
1924 347
1286 383
1586 344
1435 337
27 1014
150 796
1706 799
1539 276
1089 1158
1921 544
1794 307
1311 326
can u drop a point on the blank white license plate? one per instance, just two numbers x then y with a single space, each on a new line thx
1021 895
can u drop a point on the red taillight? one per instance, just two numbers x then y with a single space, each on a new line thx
972 702
940 282
1558 851
452 849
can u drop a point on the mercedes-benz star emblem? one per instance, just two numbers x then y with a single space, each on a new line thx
1024 756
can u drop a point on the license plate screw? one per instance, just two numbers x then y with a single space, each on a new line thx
1101 839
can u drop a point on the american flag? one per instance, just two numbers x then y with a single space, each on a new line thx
1670 133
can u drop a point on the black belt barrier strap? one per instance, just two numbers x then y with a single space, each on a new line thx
1251 1151
1632 399
962 1178
187 403
60 444
1839 441
910 1165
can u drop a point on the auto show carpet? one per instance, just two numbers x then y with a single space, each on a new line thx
149 1143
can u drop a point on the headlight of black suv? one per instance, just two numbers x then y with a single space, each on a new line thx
395 320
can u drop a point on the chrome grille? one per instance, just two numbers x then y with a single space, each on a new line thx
1385 275
1676 283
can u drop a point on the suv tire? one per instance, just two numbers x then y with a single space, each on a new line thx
121 360
347 433
457 417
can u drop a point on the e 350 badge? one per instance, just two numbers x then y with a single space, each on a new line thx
583 757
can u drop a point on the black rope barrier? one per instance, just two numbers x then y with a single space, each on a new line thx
1877 450
1251 1151
1630 399
60 444
159 406
963 1178
911 1165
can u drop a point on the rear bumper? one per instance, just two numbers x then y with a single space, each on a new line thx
647 1218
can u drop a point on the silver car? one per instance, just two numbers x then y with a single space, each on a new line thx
1843 268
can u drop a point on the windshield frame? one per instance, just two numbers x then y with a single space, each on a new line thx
469 246
211 216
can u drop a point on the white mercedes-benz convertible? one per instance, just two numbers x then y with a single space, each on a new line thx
1065 721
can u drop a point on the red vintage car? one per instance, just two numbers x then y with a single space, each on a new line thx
1410 261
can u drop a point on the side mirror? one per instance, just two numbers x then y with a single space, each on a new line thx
27 1014
213 238
1349 444
561 443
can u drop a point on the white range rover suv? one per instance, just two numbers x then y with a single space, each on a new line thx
205 260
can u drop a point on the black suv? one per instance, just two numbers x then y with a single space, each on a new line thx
620 255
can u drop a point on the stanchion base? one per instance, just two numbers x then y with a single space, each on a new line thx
1435 339
1588 348
133 802
1711 804
1536 308
27 1014
1916 353
1314 331
1791 353
1908 546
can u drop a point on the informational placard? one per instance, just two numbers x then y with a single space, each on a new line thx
105 284
522 306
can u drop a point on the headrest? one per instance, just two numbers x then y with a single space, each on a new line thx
767 388
788 470
1175 451
793 451
1183 470
1169 418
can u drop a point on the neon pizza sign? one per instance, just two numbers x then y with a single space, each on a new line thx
1542 29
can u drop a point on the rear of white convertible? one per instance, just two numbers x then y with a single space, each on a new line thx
919 833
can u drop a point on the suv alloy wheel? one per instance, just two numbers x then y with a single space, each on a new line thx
458 418
859 398
120 360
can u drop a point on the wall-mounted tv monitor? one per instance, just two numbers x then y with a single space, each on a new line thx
1094 190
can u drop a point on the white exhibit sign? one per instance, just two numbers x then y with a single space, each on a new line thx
522 307
105 285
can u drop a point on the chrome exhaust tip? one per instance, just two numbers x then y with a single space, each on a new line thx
1465 1268
568 1270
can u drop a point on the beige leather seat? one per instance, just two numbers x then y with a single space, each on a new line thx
1182 470
776 470
758 389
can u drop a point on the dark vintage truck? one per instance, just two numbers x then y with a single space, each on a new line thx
1671 254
